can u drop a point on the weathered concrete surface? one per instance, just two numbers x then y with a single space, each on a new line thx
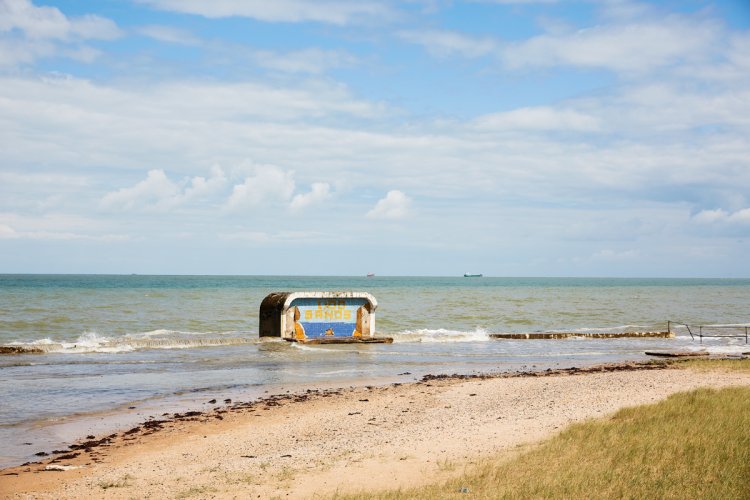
304 316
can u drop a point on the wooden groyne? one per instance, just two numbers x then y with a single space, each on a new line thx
11 349
567 335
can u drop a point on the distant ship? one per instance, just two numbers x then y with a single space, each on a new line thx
472 275
370 275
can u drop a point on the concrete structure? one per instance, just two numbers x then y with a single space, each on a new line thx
320 317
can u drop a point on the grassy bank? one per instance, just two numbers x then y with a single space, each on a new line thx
742 364
691 445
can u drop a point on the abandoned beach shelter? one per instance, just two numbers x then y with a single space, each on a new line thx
320 317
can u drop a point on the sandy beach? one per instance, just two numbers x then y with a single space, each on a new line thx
319 442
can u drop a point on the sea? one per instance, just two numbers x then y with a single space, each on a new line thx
119 349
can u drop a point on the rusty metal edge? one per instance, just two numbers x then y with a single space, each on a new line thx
344 340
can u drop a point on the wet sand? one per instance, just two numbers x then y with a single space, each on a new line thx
321 441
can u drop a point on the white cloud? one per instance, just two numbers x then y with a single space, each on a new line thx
168 34
312 60
637 47
202 187
517 2
54 227
157 191
720 216
248 236
270 185
539 118
339 12
395 205
7 232
28 32
319 192
613 255
170 124
263 238
442 43
50 23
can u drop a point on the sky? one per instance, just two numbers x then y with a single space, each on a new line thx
338 137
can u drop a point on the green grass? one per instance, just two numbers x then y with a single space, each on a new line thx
691 445
741 365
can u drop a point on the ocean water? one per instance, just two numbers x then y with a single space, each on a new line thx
118 349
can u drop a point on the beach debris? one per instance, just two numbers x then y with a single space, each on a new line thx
67 456
62 468
41 454
154 424
355 413
212 401
87 445
574 370
286 456
676 354
228 400
364 400
463 489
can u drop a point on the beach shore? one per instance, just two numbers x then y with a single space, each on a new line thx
319 442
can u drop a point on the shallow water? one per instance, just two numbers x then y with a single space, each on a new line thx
159 342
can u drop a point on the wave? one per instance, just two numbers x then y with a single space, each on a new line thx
441 335
721 350
92 343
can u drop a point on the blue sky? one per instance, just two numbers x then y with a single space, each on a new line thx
331 137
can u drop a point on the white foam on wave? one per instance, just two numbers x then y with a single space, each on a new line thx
728 325
92 342
340 372
441 335
172 333
319 348
733 350
719 347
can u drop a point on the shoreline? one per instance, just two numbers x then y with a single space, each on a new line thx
127 416
314 441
